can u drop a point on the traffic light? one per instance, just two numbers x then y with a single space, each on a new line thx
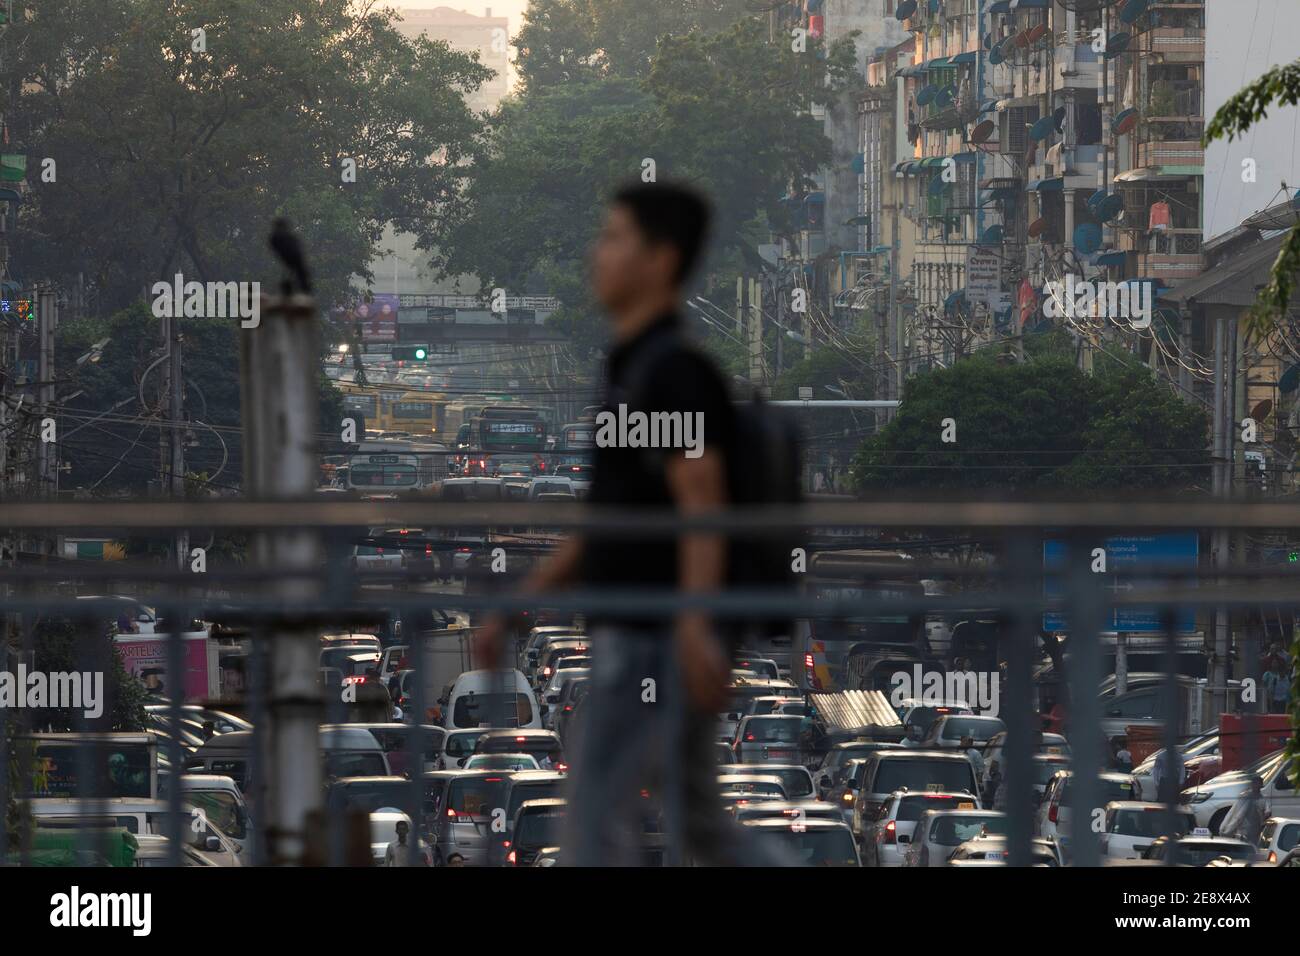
411 353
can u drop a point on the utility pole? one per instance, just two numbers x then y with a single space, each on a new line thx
278 397
175 412
47 317
1225 331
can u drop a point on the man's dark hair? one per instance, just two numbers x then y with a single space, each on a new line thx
671 213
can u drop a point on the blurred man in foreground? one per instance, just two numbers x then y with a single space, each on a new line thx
658 680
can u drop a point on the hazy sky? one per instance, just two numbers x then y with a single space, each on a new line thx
514 9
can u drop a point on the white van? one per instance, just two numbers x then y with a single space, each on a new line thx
491 698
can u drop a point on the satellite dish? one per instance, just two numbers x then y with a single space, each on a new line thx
1042 129
1036 228
1109 208
1116 44
1260 411
982 131
1037 32
1087 238
925 95
1096 198
1124 121
1058 119
905 9
995 55
1133 9
945 96
1022 39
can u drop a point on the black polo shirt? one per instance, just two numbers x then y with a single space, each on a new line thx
657 371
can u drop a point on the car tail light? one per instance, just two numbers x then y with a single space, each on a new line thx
1272 856
562 767
512 858
428 549
891 834
451 814
848 796
1051 812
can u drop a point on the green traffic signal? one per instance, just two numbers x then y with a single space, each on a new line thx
411 353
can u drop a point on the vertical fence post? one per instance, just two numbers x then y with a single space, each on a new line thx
1023 560
1087 619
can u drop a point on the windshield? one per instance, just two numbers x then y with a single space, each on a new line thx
979 728
1193 853
813 847
911 808
372 796
521 792
766 730
540 829
954 775
1150 822
955 830
492 710
475 797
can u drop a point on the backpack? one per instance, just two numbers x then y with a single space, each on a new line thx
763 465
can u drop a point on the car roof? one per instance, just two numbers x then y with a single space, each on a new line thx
809 823
909 753
736 769
1143 805
534 733
536 776
772 717
375 778
900 794
726 778
543 803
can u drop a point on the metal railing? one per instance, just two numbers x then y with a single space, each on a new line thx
281 603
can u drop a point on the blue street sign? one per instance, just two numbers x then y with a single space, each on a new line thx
1131 560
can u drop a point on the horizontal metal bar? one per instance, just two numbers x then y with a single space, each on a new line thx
1125 516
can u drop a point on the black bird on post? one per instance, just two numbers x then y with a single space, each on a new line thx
288 249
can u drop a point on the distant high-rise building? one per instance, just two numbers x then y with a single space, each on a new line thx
486 35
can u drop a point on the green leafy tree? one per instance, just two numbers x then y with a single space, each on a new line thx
1036 426
174 152
725 111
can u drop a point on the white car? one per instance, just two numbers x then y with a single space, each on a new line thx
1131 826
383 831
1279 836
915 713
886 839
1052 818
373 559
938 833
550 485
1212 800
491 698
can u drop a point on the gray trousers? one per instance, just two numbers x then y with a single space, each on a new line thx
637 736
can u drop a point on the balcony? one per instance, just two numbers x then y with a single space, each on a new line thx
1174 44
1172 152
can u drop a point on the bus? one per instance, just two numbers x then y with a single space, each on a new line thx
860 652
515 428
577 436
384 471
415 412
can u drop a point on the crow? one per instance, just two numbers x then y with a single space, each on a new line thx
289 250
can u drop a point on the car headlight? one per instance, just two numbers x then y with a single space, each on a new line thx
1194 796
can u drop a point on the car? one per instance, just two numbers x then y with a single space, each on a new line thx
1042 768
471 804
808 842
786 809
1052 818
537 636
1212 800
941 771
776 704
1044 743
752 784
536 825
551 485
457 747
377 559
1200 755
509 762
526 785
569 709
491 698
1131 826
1200 848
884 841
993 851
831 775
742 690
573 688
947 731
395 740
576 665
795 779
383 832
1292 858
552 656
1279 837
543 745
761 667
368 793
773 738
353 660
937 834
918 715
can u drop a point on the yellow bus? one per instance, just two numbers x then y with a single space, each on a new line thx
392 408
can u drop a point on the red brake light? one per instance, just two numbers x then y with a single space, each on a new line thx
749 738
519 740
428 549
1051 812
512 858
451 813
890 829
